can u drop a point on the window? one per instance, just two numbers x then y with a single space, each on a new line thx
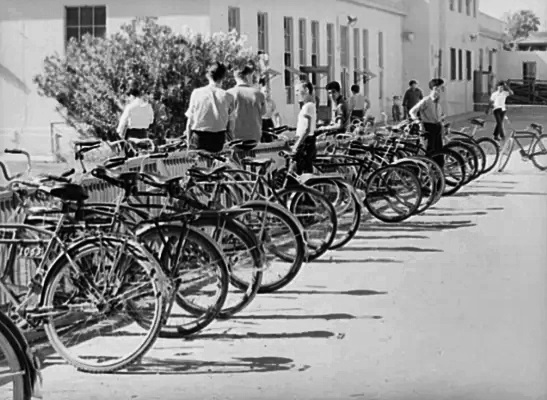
262 24
302 41
460 6
82 20
315 45
481 57
314 49
460 64
468 7
474 8
453 64
330 50
468 65
451 4
344 46
289 78
381 65
365 58
356 54
529 71
233 19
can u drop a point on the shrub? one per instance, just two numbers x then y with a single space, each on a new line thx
90 82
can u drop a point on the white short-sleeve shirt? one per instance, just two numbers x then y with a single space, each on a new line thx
308 109
498 98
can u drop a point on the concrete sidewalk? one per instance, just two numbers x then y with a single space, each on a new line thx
451 304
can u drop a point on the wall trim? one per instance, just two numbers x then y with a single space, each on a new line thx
377 5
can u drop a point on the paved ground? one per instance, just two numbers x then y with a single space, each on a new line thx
448 305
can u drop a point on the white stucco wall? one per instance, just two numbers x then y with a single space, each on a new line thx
324 11
29 33
510 63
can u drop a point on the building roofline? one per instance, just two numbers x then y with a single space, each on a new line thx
491 17
491 34
377 5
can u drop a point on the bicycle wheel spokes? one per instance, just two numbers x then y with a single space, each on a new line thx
393 194
539 153
491 151
12 373
102 323
505 153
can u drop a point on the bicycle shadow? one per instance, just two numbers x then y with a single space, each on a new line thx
354 292
417 226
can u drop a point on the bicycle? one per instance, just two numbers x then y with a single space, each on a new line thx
536 151
20 377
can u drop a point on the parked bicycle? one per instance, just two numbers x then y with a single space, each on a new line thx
532 143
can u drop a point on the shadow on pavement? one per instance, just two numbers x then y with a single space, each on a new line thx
418 226
386 248
152 366
356 292
357 261
326 317
364 237
498 194
262 335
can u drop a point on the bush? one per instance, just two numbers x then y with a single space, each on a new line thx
89 83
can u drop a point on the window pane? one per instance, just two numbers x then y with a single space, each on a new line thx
86 16
87 29
100 16
72 16
72 33
100 31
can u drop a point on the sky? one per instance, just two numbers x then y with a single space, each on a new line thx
497 8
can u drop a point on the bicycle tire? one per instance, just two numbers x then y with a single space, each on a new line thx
290 198
438 177
453 171
198 316
345 202
505 153
469 157
541 141
61 270
479 153
489 145
246 238
427 181
376 180
293 235
16 360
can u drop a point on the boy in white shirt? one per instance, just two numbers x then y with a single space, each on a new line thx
497 102
305 147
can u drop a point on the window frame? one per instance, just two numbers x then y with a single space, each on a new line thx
381 65
262 31
237 22
94 26
460 64
460 6
452 5
469 64
365 44
453 64
344 47
330 43
288 58
302 41
356 54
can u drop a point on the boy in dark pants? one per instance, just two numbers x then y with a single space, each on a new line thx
432 118
497 100
305 148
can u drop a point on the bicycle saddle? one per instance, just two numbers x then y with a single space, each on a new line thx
537 127
477 121
257 162
207 173
243 145
68 192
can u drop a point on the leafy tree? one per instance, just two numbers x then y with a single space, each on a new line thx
90 82
521 23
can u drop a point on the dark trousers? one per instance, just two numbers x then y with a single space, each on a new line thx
499 115
357 114
267 123
434 136
208 141
305 154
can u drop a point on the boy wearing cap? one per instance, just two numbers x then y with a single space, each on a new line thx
432 117
412 96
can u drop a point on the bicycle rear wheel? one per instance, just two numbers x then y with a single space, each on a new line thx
506 151
491 150
469 157
393 194
453 167
539 153
94 296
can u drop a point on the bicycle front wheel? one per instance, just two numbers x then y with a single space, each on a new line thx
393 194
491 150
506 152
539 153
94 301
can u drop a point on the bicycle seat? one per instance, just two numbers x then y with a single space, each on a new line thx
243 145
68 192
206 173
477 121
120 179
537 127
87 142
257 162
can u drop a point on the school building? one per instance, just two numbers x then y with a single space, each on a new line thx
383 42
